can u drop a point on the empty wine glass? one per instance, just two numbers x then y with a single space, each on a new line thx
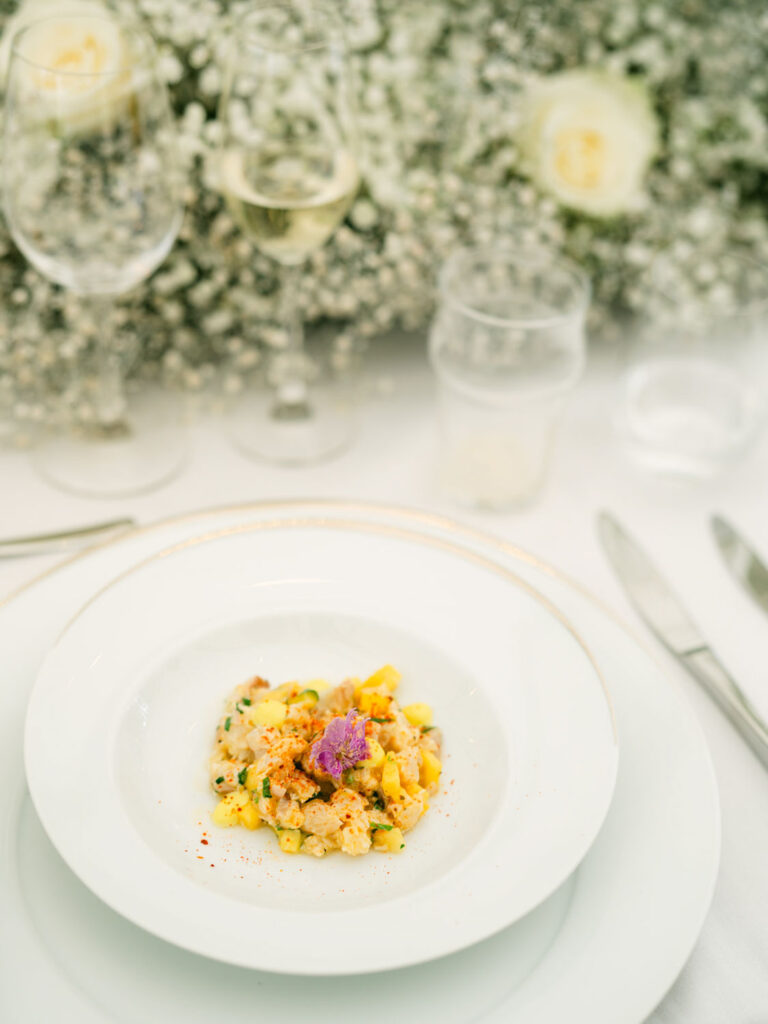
289 173
92 196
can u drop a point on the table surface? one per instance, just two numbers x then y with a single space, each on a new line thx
393 461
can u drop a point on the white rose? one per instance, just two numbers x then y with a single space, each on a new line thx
34 10
587 138
77 60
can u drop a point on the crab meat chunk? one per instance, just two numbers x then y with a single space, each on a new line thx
339 699
288 813
315 846
320 819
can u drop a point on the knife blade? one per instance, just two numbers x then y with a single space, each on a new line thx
744 563
40 543
664 614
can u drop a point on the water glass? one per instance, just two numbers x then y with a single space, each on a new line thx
694 393
507 346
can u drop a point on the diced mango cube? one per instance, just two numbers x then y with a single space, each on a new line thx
236 808
225 813
290 840
375 705
391 841
418 714
387 676
317 684
283 692
430 769
268 712
376 755
390 779
253 779
248 815
413 789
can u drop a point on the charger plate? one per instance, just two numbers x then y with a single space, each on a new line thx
603 949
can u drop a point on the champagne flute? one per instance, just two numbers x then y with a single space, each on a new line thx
92 197
289 174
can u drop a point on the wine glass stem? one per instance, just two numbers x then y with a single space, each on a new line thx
291 390
110 401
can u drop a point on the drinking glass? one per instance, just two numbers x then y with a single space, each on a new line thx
289 174
92 196
507 346
695 391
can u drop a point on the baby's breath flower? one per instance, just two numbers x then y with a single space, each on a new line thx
433 178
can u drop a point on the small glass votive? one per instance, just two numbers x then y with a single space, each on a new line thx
507 346
694 392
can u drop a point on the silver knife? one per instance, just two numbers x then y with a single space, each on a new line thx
660 609
743 562
40 543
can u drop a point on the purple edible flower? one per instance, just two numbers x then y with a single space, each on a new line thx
342 744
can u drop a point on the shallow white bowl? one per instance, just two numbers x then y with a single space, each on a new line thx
121 720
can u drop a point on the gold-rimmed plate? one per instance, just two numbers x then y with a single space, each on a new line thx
135 682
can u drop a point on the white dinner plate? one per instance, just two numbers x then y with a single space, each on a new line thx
122 717
602 950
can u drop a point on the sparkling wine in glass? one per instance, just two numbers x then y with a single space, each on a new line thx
92 197
289 174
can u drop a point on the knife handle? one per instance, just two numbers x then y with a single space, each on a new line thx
711 673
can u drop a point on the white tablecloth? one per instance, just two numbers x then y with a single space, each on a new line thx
726 979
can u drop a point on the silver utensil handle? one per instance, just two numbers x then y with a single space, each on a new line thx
706 668
38 544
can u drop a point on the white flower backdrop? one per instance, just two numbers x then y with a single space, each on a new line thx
609 129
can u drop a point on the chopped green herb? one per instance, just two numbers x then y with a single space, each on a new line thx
427 728
238 709
247 701
381 720
227 723
376 825
219 780
241 775
266 789
379 804
402 846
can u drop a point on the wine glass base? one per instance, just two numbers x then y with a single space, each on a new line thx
117 460
303 433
